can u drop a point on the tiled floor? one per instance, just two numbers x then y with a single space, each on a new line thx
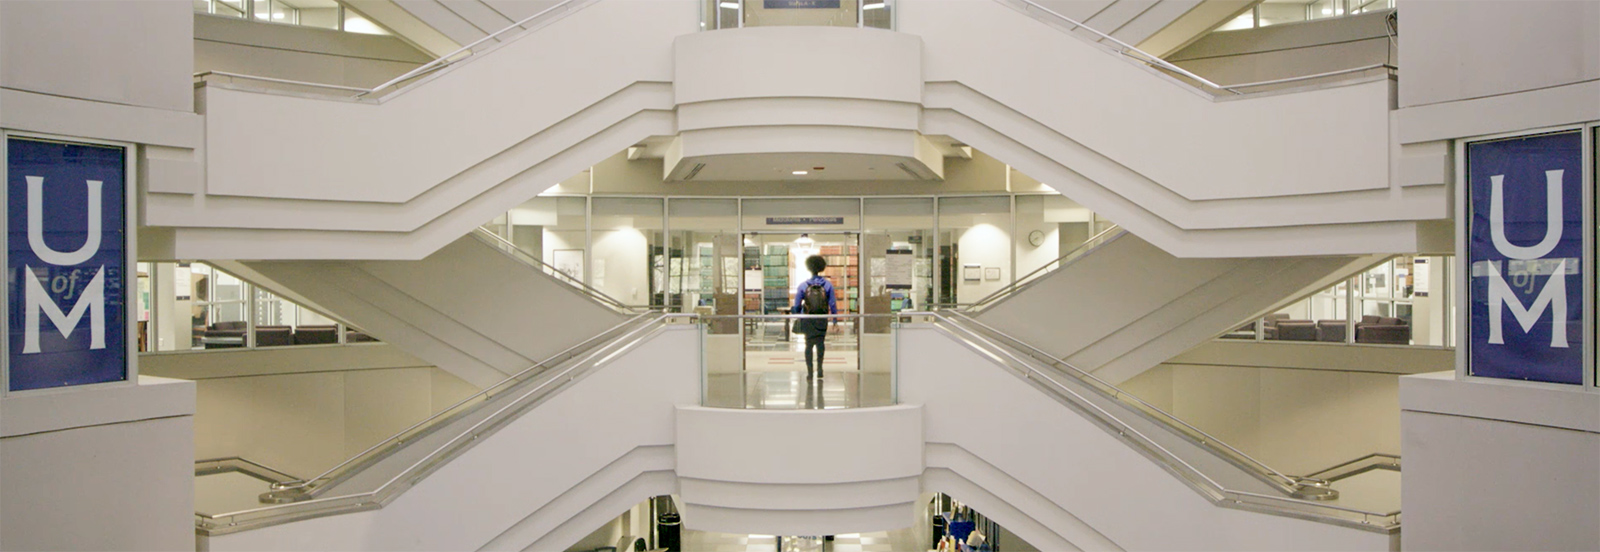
893 541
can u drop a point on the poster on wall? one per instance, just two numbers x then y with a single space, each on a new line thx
569 262
67 264
898 268
1525 251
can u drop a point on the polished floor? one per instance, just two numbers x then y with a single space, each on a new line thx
774 376
903 540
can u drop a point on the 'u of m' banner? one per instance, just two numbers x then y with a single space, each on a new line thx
66 264
1525 253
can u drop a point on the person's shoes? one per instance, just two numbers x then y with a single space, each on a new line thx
810 375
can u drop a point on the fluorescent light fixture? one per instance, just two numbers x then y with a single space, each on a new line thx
1327 11
877 6
730 5
801 173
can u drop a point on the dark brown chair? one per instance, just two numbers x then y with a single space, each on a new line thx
1331 330
1297 330
1390 331
316 335
274 336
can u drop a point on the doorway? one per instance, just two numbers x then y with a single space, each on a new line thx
775 266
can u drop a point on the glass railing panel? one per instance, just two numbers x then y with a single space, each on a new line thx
761 363
732 14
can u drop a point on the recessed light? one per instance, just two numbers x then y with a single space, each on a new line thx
800 173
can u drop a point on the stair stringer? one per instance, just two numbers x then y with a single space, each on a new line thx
468 308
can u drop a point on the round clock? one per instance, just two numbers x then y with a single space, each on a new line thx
1035 238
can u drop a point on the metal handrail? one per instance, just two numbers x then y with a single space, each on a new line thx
204 74
444 60
521 255
484 394
1133 52
429 67
1124 429
1094 242
1290 483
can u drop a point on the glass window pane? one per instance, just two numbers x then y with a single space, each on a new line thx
1273 14
974 247
695 224
357 24
626 242
909 225
228 8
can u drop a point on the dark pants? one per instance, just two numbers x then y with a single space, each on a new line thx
818 342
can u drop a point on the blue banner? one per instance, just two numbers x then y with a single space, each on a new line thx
67 264
1525 253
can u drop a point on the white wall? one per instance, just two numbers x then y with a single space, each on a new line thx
1265 397
1289 50
755 471
304 410
129 53
570 452
109 468
1499 465
1455 51
624 254
305 54
987 243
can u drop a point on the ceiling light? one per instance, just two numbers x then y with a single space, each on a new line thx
800 173
730 5
877 6
1327 11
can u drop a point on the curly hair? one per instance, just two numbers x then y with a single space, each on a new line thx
816 264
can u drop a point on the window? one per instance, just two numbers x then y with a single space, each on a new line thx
325 14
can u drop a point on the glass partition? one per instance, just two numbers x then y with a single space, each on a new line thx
974 247
625 241
554 230
1405 300
730 14
908 223
753 374
688 269
196 306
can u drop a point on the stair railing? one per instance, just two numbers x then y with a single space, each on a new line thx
1303 496
1129 51
301 499
516 252
1104 237
544 17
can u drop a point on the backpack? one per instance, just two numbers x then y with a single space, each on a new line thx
815 300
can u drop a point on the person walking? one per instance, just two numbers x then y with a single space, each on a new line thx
815 296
